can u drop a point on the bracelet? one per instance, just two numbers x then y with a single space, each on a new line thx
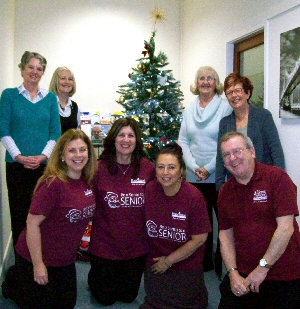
231 270
167 264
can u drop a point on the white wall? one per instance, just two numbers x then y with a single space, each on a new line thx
210 25
6 80
98 40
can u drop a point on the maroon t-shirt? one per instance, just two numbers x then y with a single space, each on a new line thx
68 207
251 210
171 220
118 226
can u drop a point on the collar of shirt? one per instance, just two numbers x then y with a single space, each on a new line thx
39 96
67 111
257 175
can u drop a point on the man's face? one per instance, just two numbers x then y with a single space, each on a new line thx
238 159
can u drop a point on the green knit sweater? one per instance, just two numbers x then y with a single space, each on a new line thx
31 125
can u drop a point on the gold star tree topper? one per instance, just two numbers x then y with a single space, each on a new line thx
158 15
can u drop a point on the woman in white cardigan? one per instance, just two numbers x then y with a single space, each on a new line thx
198 138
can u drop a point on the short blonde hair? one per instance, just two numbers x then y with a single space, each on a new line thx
211 72
54 81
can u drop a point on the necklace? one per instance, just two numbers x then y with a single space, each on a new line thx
123 172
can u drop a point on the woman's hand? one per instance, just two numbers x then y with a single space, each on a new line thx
40 274
161 265
31 162
202 173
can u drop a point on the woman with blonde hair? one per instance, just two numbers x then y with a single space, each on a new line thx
63 84
44 276
198 138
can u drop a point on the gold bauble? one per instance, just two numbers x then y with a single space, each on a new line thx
134 94
122 99
140 65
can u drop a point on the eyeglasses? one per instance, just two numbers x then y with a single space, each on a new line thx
208 78
235 152
236 91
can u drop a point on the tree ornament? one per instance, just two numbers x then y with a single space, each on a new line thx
148 47
134 94
149 146
140 65
121 99
144 70
158 15
144 52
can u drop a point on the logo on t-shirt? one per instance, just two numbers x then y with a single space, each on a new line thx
138 182
88 192
260 196
76 215
165 232
178 216
151 227
124 200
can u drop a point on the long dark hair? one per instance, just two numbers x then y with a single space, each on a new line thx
109 152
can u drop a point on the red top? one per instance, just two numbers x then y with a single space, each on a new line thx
68 207
251 210
118 226
171 220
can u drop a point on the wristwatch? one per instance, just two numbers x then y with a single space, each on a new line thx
264 263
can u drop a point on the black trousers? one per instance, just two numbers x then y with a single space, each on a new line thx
115 280
211 195
272 295
20 185
175 289
59 293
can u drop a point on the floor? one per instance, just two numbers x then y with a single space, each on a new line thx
86 301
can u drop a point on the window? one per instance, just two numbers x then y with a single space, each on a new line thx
249 61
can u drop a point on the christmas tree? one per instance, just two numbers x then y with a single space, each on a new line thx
153 98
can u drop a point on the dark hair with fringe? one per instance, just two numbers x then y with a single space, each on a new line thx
109 152
175 150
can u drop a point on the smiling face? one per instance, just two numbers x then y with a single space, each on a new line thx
32 72
206 83
169 173
65 82
125 144
237 97
238 159
75 156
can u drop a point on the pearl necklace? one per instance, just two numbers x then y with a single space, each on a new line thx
123 172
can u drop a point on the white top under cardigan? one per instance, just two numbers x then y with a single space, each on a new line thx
198 135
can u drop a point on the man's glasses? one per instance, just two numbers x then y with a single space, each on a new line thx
208 78
235 152
236 91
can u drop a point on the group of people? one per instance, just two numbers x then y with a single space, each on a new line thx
151 219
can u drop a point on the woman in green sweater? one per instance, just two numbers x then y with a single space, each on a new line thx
29 129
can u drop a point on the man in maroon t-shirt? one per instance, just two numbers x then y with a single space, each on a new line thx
260 239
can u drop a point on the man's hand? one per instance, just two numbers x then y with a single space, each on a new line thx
256 277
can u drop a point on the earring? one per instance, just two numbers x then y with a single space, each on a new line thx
62 160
